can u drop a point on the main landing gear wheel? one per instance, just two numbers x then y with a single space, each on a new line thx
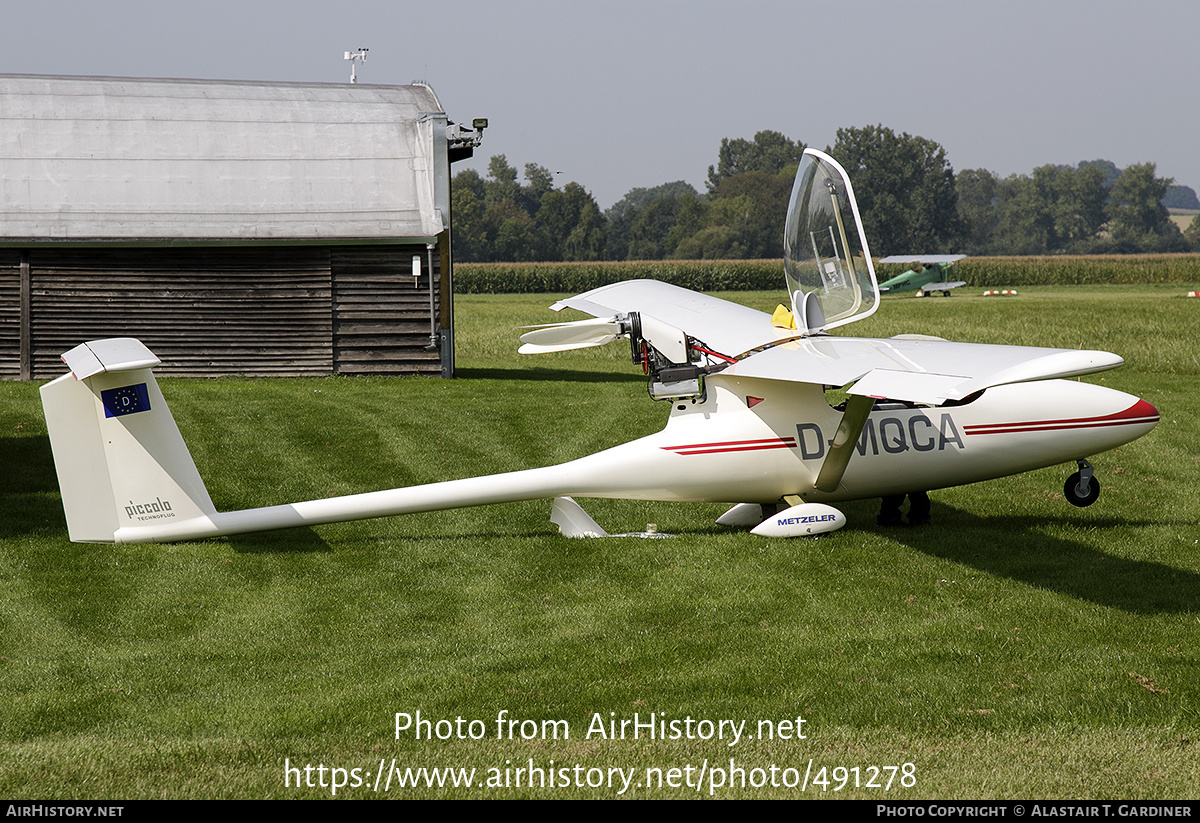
1081 488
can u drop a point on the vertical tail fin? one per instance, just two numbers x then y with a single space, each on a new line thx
120 459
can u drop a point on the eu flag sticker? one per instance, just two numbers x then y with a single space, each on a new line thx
125 400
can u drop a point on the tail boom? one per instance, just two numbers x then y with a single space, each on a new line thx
127 477
531 484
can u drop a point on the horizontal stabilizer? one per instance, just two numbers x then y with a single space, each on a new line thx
111 355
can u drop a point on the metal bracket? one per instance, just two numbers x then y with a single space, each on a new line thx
1085 477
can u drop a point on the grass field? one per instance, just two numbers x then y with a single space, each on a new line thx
1018 648
1183 217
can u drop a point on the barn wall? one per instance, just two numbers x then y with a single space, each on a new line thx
10 314
259 311
381 312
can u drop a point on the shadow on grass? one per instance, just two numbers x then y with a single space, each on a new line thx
1020 549
28 465
559 375
285 541
31 503
29 496
1015 547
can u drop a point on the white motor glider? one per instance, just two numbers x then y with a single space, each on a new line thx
749 422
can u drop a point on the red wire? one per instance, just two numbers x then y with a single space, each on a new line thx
713 353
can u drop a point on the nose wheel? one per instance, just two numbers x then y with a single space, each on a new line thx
1081 488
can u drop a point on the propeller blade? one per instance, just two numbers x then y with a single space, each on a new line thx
579 334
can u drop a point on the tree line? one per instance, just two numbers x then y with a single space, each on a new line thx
911 201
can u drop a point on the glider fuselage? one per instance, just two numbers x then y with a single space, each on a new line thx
748 440
755 440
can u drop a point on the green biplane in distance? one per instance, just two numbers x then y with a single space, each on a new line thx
930 273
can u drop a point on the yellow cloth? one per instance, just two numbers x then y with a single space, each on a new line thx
782 318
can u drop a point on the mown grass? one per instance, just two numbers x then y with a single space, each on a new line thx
1017 648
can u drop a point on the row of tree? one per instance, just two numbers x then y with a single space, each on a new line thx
910 198
1089 208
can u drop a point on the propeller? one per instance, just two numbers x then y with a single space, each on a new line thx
578 334
669 341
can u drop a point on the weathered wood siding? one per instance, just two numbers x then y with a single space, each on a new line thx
10 314
260 311
381 312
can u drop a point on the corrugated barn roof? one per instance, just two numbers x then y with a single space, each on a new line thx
84 158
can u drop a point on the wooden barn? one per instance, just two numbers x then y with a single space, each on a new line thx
233 227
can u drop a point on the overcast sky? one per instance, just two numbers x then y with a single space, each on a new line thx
624 93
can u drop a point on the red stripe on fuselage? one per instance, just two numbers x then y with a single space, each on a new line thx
1139 412
733 446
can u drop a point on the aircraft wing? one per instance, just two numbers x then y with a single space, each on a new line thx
925 371
943 286
925 259
727 327
917 370
928 287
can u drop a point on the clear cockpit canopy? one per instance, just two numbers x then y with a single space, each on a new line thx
830 276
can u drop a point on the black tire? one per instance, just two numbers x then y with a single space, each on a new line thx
1072 493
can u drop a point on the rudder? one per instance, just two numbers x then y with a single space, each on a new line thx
120 458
